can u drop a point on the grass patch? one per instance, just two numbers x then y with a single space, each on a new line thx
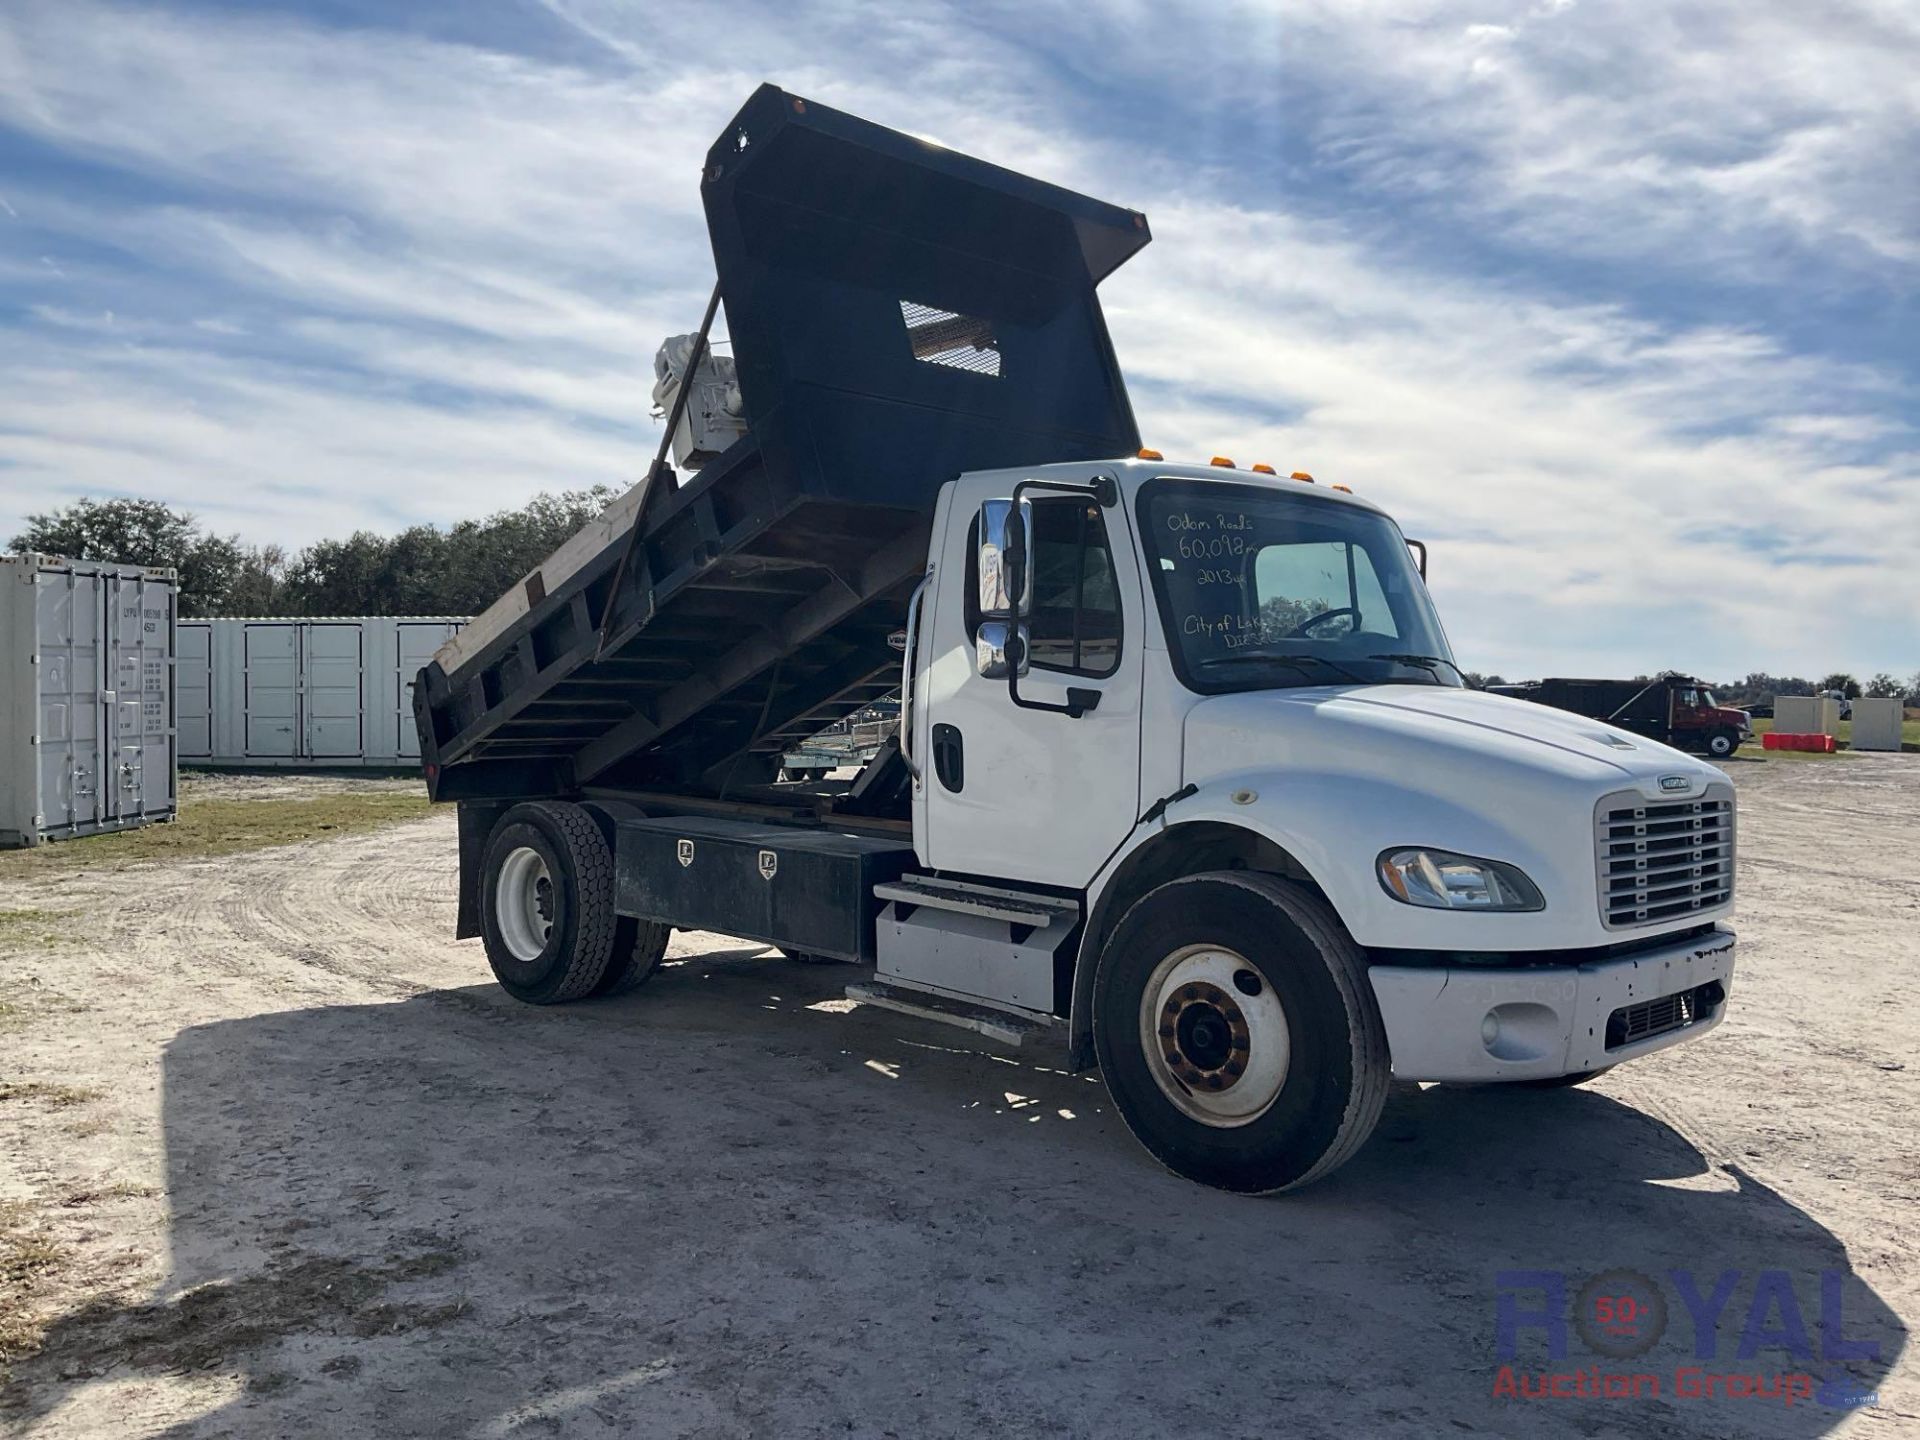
60 1097
117 1190
226 827
29 1260
31 927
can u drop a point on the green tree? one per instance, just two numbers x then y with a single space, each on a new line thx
1884 687
428 571
1844 683
142 532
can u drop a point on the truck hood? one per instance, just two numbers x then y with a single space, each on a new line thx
1335 776
1425 728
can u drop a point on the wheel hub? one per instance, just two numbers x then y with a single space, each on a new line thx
1215 1035
1204 1037
524 904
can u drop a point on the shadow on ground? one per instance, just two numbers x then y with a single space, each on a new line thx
725 1205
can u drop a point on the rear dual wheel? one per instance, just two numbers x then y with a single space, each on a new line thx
1238 1034
546 913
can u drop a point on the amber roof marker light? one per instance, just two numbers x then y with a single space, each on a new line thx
1146 454
1222 461
1301 475
1262 468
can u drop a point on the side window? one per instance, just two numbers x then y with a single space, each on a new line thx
1075 624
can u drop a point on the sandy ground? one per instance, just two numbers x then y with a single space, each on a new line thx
308 1172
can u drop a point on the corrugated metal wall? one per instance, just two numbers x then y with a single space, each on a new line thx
310 692
86 698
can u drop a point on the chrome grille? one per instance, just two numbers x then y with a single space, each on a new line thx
1663 860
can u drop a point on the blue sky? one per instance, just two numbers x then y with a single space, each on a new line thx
1616 305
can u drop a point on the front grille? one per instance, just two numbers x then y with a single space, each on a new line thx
1663 860
1633 1023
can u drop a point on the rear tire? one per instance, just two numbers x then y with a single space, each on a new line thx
1235 969
546 903
806 957
638 948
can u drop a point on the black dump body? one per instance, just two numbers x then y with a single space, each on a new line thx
899 314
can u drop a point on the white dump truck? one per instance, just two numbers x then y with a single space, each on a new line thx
1186 776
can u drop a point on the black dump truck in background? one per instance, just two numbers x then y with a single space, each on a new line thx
1675 709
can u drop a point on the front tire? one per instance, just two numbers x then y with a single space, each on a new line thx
1238 1034
1722 743
546 911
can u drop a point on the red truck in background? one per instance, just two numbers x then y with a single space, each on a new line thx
1676 709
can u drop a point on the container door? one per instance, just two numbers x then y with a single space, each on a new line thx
71 705
332 666
193 691
140 711
272 682
417 643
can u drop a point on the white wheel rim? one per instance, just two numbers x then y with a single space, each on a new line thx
1218 1052
523 904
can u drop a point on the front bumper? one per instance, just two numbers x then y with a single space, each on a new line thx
1536 1022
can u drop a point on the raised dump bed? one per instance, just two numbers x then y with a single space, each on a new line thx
899 314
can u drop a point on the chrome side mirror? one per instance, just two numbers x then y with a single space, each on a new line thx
990 647
1006 560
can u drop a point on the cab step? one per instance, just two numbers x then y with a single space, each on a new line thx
987 1020
1023 908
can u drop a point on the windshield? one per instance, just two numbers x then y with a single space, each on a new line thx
1261 588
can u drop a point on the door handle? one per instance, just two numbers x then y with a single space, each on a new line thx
949 757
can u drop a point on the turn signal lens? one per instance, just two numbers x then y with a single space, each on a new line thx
1146 454
1442 880
1222 461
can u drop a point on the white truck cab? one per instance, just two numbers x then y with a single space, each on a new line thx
1254 663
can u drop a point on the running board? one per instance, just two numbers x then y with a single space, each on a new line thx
927 1005
990 902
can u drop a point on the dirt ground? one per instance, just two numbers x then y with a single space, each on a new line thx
279 1160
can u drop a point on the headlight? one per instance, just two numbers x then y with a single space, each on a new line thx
1442 880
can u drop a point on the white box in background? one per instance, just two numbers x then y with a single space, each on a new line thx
304 693
1806 715
86 698
1876 724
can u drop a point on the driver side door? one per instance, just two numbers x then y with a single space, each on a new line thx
1034 795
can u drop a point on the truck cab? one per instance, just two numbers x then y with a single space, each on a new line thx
1186 780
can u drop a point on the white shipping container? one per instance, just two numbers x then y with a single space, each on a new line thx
86 698
1806 715
317 693
1876 723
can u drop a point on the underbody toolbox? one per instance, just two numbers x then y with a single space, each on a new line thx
801 889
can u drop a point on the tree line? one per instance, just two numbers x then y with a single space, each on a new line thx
461 570
423 570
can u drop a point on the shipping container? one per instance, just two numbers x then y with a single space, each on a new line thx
275 691
86 698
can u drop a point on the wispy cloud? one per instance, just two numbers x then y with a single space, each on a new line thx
1605 304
